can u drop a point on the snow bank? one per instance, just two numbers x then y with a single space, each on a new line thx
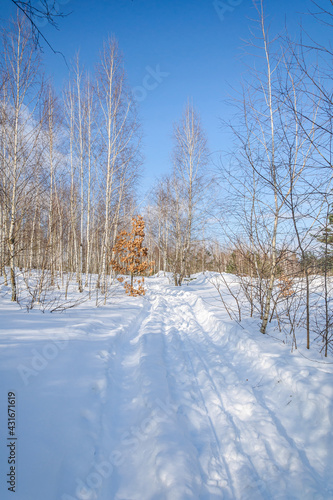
161 397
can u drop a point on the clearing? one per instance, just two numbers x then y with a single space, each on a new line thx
161 397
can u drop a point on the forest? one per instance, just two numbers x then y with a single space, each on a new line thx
262 213
166 250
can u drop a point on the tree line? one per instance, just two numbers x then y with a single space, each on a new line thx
70 166
272 194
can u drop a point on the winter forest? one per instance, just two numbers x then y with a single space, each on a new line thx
166 327
70 165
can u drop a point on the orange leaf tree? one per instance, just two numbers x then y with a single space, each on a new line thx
131 257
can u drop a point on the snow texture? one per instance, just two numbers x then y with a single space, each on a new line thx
161 397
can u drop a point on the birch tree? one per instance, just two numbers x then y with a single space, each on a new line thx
118 134
21 74
264 152
190 161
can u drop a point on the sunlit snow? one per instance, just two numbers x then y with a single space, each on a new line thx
162 397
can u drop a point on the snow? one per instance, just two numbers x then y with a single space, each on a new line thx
162 397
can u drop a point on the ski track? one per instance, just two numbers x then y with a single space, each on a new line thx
181 422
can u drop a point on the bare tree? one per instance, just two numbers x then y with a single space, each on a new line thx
36 14
190 161
21 91
118 134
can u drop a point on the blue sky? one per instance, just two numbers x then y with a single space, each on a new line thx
196 46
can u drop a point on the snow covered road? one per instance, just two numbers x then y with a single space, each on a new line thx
162 398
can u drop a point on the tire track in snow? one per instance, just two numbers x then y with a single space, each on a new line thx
102 419
275 458
214 479
215 476
215 471
218 481
294 465
140 421
179 419
227 457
